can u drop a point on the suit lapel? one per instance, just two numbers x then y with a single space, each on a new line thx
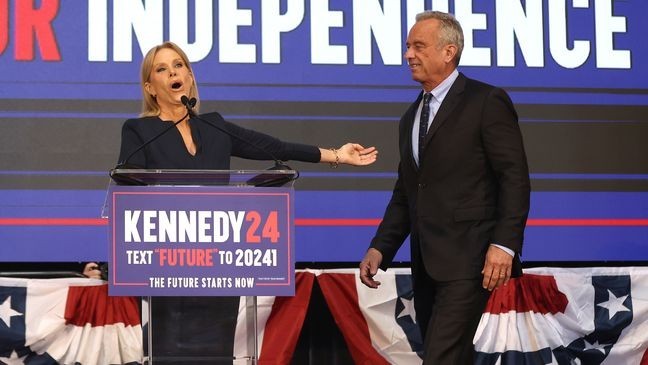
450 102
409 118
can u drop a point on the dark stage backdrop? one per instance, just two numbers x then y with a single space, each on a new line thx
325 72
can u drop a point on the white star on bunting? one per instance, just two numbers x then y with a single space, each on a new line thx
594 346
6 312
408 309
14 359
614 304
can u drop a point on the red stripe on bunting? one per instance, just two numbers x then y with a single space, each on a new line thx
342 298
92 305
285 323
528 293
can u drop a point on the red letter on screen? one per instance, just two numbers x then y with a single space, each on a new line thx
36 24
4 24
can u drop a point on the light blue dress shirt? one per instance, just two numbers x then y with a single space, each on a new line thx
438 94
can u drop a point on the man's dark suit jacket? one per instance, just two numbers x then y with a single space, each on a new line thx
471 189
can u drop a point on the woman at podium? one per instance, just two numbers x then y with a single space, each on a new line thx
170 134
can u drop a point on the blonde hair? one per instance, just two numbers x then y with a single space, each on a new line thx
451 32
150 106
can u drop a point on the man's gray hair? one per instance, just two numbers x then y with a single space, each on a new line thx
451 32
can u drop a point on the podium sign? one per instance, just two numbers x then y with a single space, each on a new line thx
201 241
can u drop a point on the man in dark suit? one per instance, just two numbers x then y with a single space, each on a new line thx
462 193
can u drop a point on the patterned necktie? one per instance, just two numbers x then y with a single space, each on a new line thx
423 123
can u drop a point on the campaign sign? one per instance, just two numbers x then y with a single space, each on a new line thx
201 241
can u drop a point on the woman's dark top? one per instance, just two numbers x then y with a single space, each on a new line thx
213 147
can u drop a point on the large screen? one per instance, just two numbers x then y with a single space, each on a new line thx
325 72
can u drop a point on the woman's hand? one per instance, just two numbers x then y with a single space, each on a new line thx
356 154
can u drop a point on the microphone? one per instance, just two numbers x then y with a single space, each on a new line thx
124 164
190 103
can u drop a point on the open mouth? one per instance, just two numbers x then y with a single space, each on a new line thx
176 85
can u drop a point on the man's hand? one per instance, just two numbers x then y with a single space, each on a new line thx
369 268
497 268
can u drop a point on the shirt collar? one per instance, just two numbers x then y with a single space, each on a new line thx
442 89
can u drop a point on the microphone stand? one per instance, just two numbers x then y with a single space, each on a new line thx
259 180
124 164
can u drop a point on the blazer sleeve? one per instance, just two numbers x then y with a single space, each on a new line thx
248 143
504 148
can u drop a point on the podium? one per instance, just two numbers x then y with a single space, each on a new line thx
201 233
